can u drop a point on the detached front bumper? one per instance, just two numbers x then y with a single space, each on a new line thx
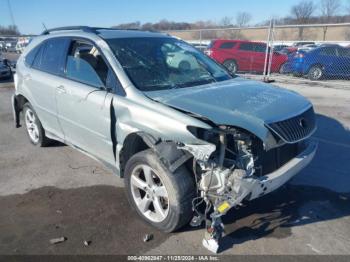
274 180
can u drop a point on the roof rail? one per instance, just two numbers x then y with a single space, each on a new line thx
93 30
87 29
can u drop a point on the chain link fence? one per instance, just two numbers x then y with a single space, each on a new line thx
318 52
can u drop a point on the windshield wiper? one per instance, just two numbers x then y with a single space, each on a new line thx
196 82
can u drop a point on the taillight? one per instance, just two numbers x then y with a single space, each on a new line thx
299 55
208 52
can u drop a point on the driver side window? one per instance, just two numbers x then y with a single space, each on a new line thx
86 65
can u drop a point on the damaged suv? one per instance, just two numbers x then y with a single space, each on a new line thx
185 135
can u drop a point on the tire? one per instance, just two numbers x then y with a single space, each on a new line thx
175 201
35 131
282 69
231 66
315 73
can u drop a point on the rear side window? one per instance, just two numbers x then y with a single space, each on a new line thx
344 52
261 48
29 59
227 45
37 60
246 47
328 51
52 56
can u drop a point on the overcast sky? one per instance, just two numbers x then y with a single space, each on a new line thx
30 14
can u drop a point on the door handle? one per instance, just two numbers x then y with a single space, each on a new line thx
61 89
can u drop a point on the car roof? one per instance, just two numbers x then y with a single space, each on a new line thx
106 33
238 41
116 33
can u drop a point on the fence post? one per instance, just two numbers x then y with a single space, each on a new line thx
200 37
267 49
272 40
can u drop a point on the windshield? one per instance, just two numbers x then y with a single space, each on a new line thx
165 63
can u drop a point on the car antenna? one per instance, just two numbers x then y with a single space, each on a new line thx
45 28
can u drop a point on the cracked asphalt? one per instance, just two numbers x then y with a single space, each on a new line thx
51 192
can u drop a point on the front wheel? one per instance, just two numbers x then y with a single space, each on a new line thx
160 197
315 73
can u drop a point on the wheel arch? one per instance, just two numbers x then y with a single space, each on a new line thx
167 151
18 101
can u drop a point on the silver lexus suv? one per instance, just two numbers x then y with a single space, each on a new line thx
190 140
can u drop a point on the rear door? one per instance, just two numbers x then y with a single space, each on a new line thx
44 75
245 56
344 61
329 59
84 104
259 57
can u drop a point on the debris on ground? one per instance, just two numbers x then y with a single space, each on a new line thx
87 243
58 240
147 237
58 211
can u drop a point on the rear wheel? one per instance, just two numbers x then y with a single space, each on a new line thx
160 197
315 73
231 66
35 131
282 69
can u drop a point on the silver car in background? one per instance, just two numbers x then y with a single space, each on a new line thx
172 122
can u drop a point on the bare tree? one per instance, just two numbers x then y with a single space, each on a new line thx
9 30
243 19
329 9
226 21
302 13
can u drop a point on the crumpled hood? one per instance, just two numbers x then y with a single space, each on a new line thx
238 102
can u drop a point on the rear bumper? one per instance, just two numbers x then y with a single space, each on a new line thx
274 180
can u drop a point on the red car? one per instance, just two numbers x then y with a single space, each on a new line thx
240 55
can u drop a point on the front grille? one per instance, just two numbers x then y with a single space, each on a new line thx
269 161
296 128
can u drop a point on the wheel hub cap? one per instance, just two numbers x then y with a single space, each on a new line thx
149 193
31 125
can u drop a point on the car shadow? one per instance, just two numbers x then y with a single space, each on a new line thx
320 192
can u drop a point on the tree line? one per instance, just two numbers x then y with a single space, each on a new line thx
305 12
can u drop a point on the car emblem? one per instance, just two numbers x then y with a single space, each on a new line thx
302 123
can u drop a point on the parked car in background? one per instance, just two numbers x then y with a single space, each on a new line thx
243 56
296 46
10 46
278 48
20 47
5 69
2 46
321 62
308 47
